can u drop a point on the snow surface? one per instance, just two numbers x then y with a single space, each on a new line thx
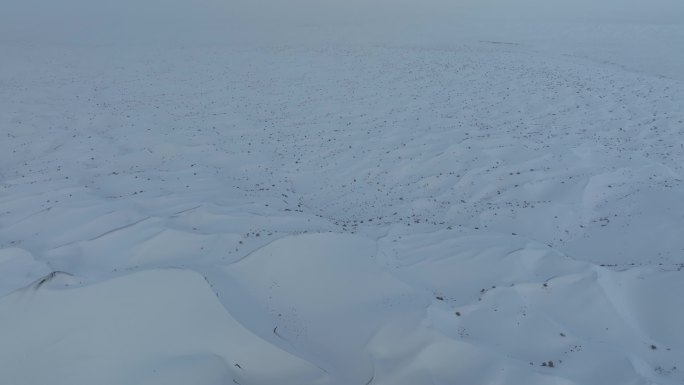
495 197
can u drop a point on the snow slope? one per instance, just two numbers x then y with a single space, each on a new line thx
497 201
152 327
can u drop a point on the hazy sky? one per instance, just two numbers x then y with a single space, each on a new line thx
106 21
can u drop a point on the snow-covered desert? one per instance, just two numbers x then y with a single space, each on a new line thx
323 192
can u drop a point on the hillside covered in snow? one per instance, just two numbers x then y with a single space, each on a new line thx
370 192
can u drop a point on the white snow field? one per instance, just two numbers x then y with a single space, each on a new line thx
495 197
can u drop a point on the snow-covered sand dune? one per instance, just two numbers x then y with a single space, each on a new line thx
487 209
